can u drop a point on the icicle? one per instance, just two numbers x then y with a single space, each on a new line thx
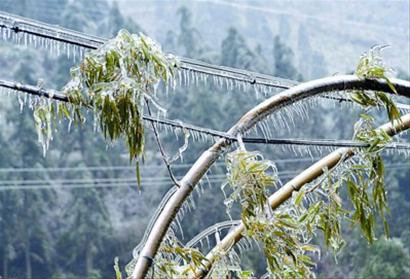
187 81
201 244
240 247
192 202
81 54
220 82
21 102
179 78
75 53
217 236
180 227
196 75
207 180
67 48
25 39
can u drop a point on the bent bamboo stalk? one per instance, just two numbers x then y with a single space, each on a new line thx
285 192
258 113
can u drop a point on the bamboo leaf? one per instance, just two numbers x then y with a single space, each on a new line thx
138 174
118 274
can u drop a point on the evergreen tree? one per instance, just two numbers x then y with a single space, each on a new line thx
115 21
189 37
8 200
283 64
387 259
234 52
30 206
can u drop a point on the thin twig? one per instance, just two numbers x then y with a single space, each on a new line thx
161 149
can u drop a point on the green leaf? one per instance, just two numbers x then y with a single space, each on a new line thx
299 197
118 274
138 174
310 248
391 85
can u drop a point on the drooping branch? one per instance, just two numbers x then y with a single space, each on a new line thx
285 192
255 115
58 96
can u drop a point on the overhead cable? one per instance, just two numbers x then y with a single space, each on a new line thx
20 25
341 99
55 95
133 182
323 142
15 24
132 168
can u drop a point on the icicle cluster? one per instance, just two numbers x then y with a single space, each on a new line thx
189 75
200 239
189 205
54 38
197 134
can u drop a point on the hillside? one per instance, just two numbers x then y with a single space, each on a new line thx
329 35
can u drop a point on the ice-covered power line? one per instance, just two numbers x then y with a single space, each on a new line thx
54 95
130 182
403 107
108 183
74 181
322 142
58 39
31 32
200 132
132 168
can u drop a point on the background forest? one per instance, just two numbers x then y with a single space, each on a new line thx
69 213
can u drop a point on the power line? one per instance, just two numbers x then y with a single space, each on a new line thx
133 182
322 142
132 168
71 181
341 99
20 25
81 181
51 94
148 167
90 168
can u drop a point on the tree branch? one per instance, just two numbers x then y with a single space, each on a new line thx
161 149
